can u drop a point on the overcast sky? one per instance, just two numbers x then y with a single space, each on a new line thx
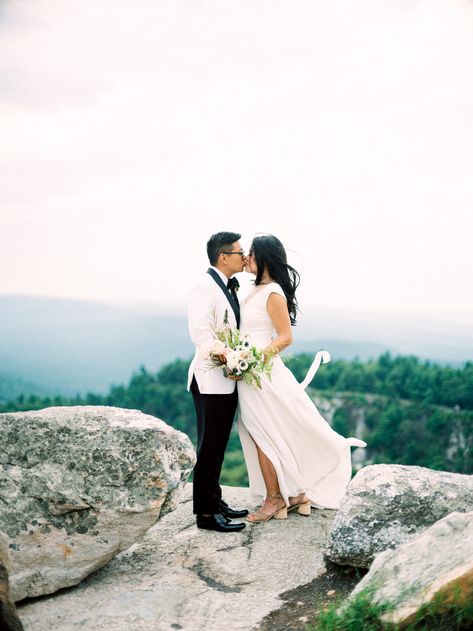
131 131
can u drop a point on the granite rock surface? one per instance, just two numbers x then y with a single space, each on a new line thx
80 484
437 564
9 620
180 577
386 505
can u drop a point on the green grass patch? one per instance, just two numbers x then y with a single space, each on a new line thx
363 614
359 614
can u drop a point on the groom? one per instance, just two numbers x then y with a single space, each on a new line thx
215 396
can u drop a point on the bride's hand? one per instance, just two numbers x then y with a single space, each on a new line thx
234 377
269 354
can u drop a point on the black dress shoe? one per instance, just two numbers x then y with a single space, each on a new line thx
232 513
218 522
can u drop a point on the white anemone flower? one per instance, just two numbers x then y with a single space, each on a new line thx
233 360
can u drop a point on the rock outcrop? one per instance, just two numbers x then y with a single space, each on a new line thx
437 564
9 620
80 484
386 505
180 577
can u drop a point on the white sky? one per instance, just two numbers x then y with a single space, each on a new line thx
131 131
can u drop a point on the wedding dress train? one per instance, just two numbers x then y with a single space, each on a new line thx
307 454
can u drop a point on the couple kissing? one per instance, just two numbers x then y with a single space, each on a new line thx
295 460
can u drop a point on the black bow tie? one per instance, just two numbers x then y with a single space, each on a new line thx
233 284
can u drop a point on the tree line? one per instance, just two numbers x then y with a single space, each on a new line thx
411 412
401 377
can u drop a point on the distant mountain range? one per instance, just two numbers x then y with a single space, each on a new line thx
70 347
59 346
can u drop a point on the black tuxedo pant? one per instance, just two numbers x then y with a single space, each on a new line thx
215 413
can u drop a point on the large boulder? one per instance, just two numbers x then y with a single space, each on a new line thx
386 505
437 565
9 620
80 484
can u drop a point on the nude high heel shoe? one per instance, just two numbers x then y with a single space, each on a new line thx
303 508
282 514
258 517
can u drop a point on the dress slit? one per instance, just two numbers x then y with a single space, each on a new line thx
306 453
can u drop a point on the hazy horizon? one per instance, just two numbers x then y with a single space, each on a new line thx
67 346
179 308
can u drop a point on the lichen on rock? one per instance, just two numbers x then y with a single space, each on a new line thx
79 484
386 505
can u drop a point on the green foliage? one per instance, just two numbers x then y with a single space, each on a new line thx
363 614
359 614
163 394
412 413
419 434
456 615
234 468
396 377
340 421
252 362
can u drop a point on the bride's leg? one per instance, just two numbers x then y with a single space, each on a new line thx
269 473
272 486
271 479
273 502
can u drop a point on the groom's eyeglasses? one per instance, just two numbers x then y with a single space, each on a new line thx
240 252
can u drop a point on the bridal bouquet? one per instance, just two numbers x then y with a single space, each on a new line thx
234 353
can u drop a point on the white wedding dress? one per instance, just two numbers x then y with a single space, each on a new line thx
307 454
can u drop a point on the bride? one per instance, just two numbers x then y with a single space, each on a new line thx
294 458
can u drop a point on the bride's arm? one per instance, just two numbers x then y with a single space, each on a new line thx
277 311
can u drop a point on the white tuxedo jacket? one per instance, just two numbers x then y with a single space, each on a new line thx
206 310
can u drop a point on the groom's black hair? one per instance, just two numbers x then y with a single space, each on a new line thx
218 242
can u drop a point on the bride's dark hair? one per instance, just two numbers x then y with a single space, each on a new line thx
269 253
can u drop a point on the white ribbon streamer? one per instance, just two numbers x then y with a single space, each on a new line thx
321 357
